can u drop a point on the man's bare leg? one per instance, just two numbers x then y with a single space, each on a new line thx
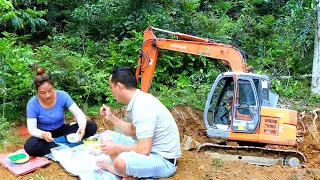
106 137
106 165
120 165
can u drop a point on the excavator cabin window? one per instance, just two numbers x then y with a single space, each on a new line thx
220 108
245 99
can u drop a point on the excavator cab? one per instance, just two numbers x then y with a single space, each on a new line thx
233 104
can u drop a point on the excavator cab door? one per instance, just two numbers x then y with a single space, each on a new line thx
219 107
246 112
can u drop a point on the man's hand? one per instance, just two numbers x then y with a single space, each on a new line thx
106 112
81 131
103 110
47 136
109 148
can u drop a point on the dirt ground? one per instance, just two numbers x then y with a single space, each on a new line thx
193 165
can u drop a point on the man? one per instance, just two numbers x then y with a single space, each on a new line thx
150 143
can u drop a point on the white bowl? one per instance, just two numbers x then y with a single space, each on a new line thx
73 138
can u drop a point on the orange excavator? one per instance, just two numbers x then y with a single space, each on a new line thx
240 106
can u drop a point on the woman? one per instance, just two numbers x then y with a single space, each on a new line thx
45 117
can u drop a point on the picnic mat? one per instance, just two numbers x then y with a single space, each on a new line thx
22 169
79 161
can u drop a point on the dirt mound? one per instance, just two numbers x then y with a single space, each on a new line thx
310 142
190 122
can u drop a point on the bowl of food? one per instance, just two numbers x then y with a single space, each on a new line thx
93 145
73 138
91 142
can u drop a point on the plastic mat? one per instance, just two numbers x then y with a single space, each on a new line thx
22 169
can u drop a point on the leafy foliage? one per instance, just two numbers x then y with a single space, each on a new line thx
4 127
14 19
15 60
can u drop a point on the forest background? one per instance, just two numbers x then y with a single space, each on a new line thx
80 42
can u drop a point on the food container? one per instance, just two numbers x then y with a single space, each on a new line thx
93 144
19 158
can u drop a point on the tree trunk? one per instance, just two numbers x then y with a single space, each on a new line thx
316 60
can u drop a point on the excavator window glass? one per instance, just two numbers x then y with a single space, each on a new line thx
220 108
265 90
246 95
245 99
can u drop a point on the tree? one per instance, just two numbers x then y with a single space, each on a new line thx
316 60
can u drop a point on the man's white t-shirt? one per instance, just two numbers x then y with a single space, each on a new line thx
152 119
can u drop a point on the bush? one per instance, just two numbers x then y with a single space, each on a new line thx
4 129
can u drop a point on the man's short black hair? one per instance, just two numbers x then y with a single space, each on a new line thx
124 75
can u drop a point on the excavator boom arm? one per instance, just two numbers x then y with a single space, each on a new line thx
192 45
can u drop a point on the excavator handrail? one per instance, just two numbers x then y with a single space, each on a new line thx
229 55
183 36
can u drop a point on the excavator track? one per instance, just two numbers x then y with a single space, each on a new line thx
254 155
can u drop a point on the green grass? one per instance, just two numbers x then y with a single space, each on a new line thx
37 177
217 163
14 143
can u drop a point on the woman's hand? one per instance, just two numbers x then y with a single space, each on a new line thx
47 136
81 130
